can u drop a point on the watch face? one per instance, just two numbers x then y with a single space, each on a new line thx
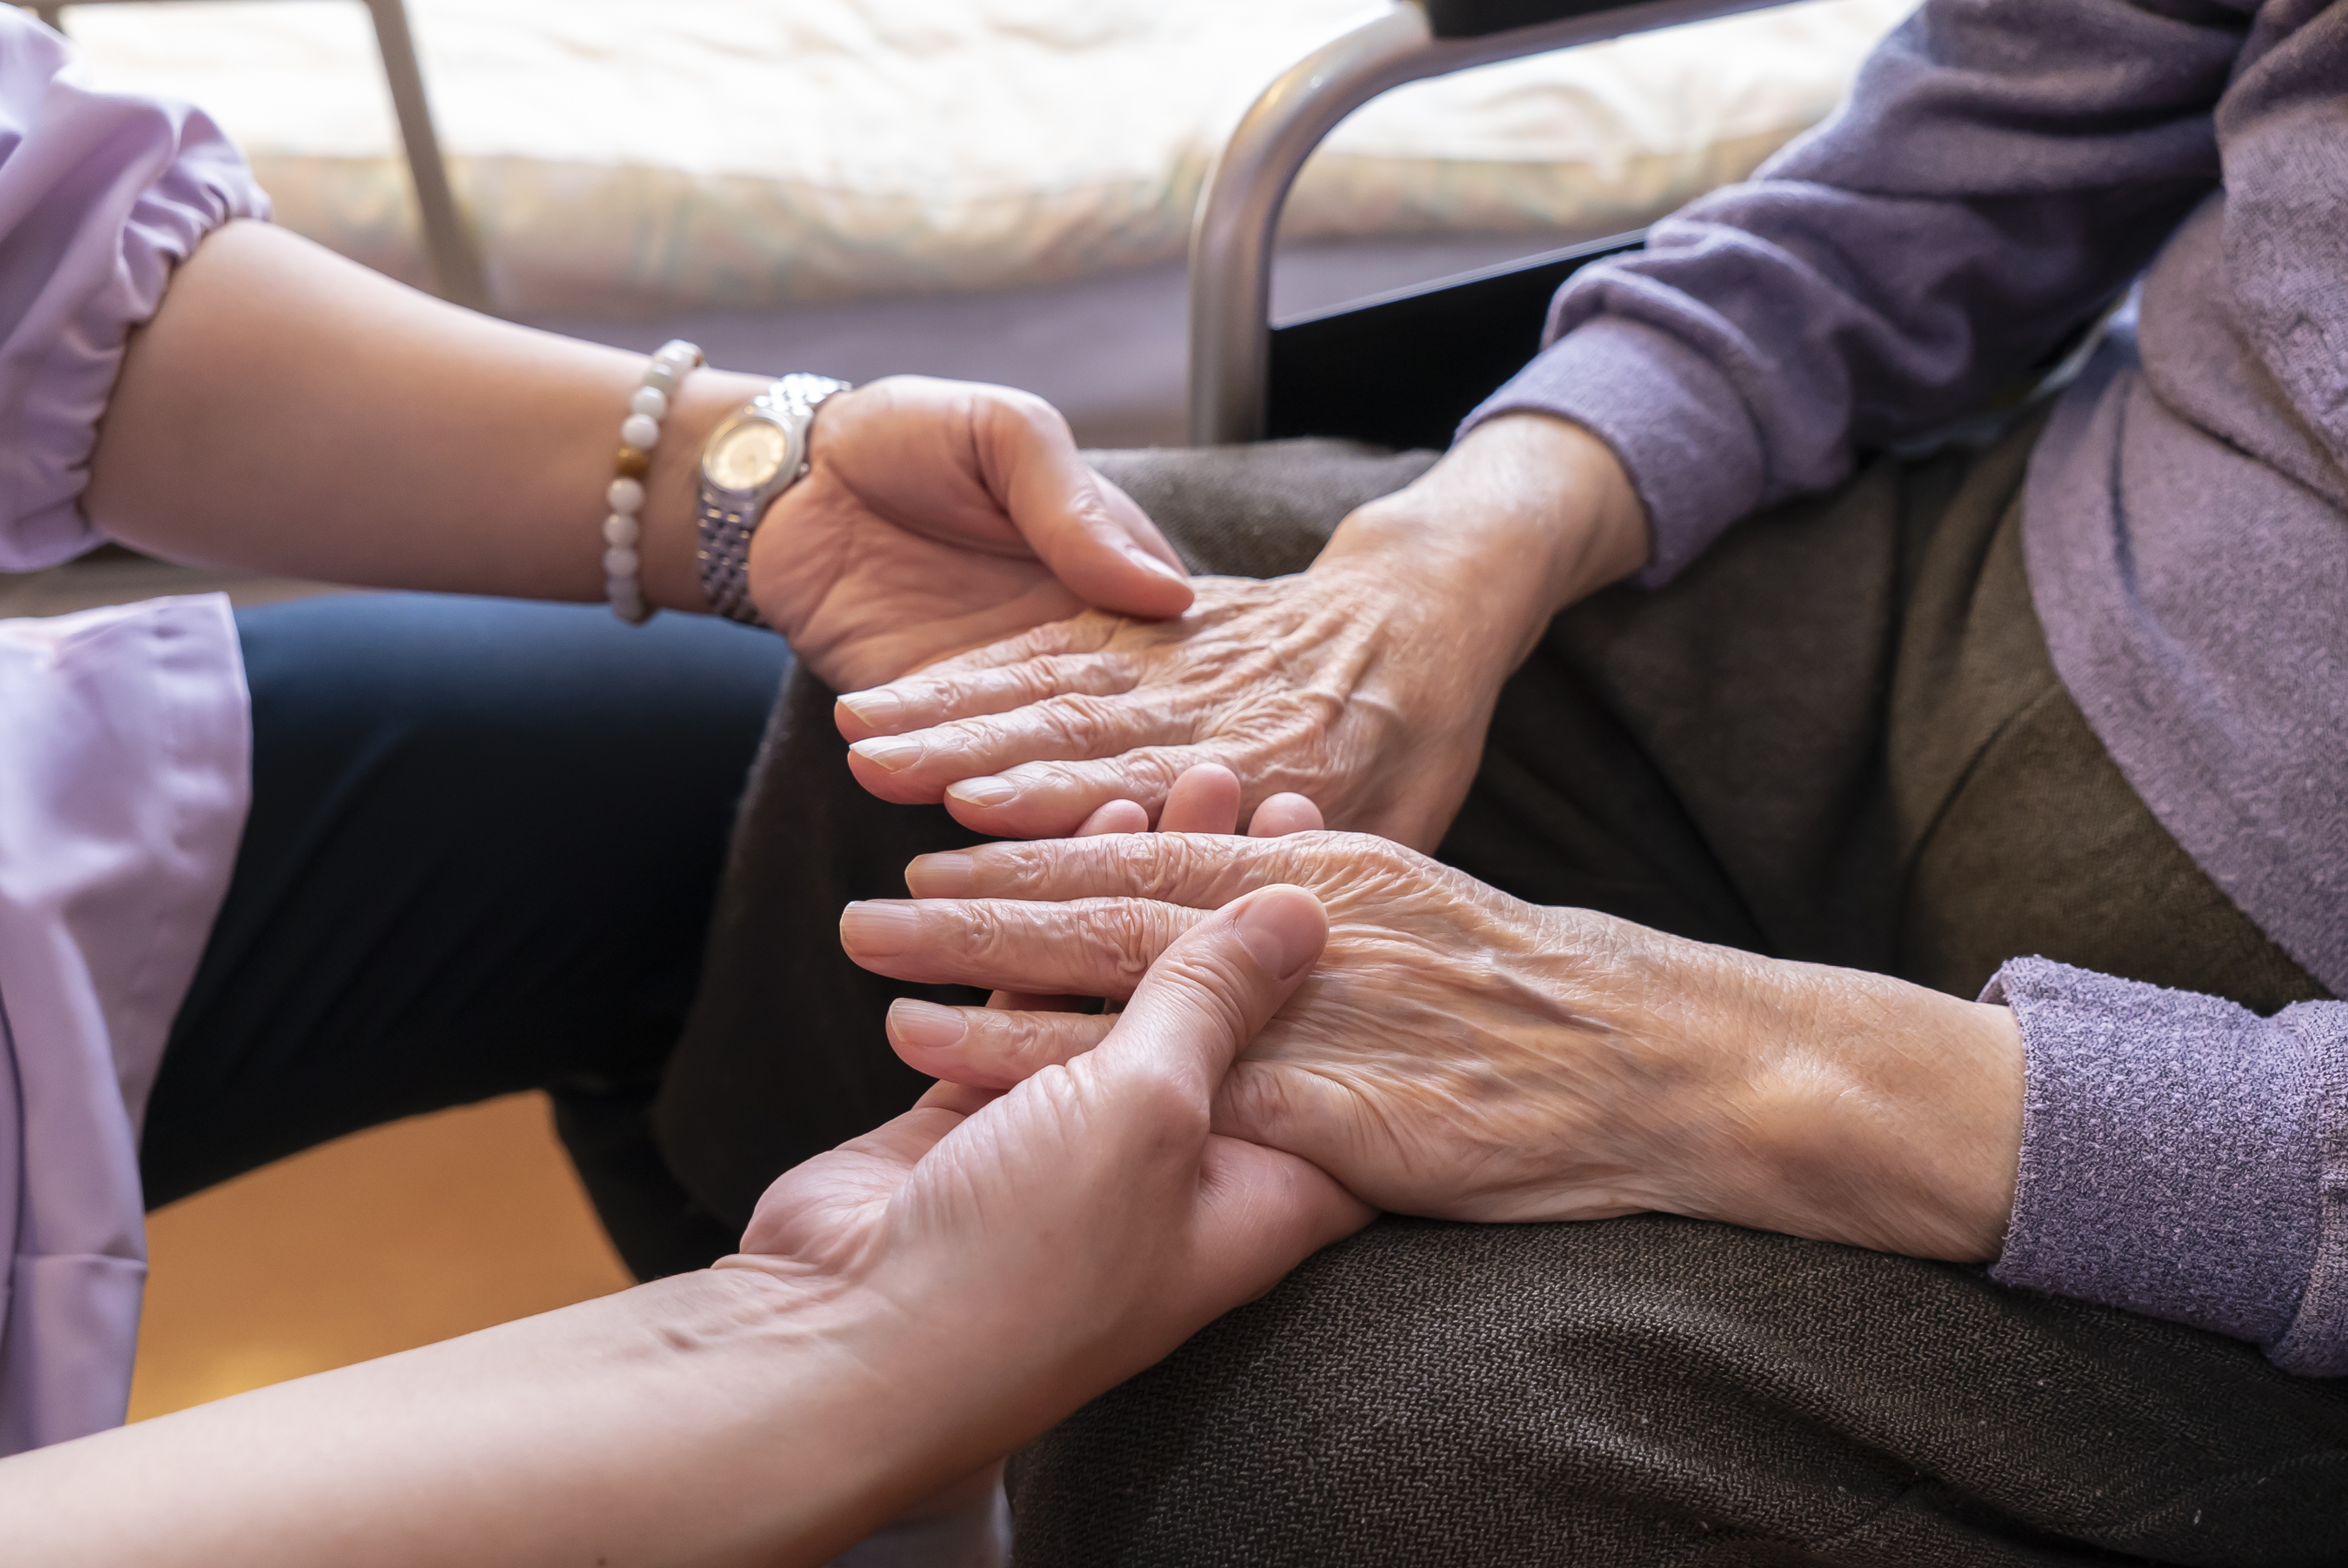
747 455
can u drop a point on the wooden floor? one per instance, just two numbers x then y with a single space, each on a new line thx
380 1242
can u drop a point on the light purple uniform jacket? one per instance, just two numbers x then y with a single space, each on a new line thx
124 734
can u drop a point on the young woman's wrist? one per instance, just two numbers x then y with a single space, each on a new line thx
887 1404
673 487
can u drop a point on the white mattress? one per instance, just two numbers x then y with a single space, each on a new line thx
632 156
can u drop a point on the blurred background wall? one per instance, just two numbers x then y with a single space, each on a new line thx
998 188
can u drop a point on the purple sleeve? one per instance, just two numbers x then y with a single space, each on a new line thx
2184 1158
101 196
2002 170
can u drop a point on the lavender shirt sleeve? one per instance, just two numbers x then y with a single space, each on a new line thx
2000 173
101 196
2184 1158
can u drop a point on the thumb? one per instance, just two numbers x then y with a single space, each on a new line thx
1208 993
1097 542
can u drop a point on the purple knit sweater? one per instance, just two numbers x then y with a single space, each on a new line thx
2003 170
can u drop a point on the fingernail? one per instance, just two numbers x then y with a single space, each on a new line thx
1148 562
893 752
946 874
983 791
1279 942
879 930
880 710
925 1023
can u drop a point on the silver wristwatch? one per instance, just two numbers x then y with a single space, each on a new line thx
746 462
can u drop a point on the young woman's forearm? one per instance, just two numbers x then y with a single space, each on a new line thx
292 412
715 1418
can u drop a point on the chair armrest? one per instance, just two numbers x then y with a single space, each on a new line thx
1230 238
1477 18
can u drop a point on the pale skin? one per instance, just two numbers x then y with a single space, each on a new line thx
904 1309
1364 683
1463 1054
290 412
1459 1054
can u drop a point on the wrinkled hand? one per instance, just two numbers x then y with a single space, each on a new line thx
1460 1054
1365 683
939 516
1072 1230
1329 684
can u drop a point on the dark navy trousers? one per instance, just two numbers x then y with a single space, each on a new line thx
484 841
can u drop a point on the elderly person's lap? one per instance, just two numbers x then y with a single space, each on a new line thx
1837 737
1658 1390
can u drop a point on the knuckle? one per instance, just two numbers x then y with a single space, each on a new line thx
1159 867
1017 861
1181 862
1125 932
1136 942
1036 680
996 934
1076 718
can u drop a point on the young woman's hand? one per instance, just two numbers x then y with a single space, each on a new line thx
939 516
905 1310
1022 1249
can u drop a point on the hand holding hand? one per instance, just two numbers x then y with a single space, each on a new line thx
1365 683
1047 1242
937 516
1460 1054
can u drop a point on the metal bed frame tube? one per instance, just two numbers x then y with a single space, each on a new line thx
1238 209
448 239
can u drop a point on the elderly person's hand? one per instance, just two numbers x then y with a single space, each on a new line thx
1365 683
1459 1054
938 516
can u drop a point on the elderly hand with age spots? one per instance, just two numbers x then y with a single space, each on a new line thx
1365 682
1460 1054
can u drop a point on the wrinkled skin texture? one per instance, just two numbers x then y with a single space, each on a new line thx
1365 683
1081 1224
1457 1053
1299 685
938 516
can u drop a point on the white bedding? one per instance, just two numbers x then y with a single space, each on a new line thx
648 155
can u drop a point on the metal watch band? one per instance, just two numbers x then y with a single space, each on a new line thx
728 518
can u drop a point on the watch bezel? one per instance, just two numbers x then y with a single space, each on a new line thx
795 438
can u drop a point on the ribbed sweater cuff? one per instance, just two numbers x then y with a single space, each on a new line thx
2316 1344
1671 417
2170 1161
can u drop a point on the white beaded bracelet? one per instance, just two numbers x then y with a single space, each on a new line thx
638 433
